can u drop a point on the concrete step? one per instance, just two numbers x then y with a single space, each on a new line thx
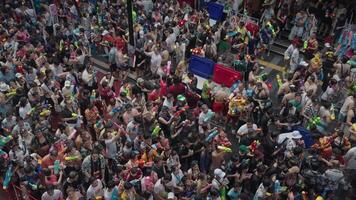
278 50
102 65
283 43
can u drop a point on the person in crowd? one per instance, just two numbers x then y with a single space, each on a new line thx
89 112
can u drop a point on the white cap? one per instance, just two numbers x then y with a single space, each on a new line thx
219 173
327 45
18 75
303 63
296 135
105 32
4 87
67 83
170 195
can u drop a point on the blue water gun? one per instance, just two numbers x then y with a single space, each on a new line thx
7 178
211 136
209 115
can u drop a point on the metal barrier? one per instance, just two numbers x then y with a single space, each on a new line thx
21 193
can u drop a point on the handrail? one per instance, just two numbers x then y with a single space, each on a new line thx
22 193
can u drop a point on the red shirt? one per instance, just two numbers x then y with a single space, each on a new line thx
154 95
176 89
120 43
163 86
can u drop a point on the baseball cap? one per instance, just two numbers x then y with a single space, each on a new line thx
219 173
67 83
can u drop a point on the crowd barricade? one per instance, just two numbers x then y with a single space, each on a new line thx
225 75
202 67
219 73
215 10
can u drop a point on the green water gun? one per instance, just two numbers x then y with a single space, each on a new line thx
225 149
279 81
313 122
270 26
71 158
56 167
4 140
156 131
223 193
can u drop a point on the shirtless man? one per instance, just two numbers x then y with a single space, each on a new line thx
310 85
220 98
129 114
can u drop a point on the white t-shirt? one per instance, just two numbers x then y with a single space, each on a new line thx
159 187
156 59
350 158
244 130
327 94
167 103
288 53
176 179
93 192
57 194
24 110
111 148
68 91
107 194
348 101
294 59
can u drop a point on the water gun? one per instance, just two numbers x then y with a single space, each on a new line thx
271 28
168 68
262 77
179 112
279 81
134 182
45 112
209 115
211 136
3 154
93 95
61 45
332 112
304 195
354 127
56 167
305 44
253 146
76 44
32 110
4 140
33 186
117 109
7 179
11 93
71 158
156 131
225 149
75 115
115 194
314 121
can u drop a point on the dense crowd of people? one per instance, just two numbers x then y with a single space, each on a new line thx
71 129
